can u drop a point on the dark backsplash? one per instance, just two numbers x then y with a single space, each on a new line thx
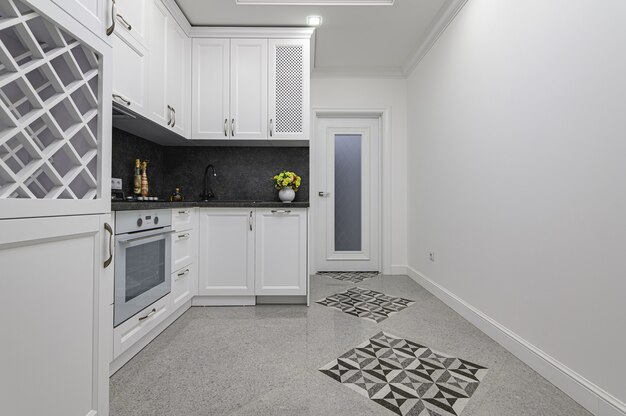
243 173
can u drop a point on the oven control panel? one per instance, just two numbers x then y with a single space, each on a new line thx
131 221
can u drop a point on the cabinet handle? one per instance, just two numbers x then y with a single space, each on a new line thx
143 318
118 98
225 127
111 28
271 127
169 114
121 19
281 211
232 128
185 273
174 112
250 221
185 212
183 236
109 230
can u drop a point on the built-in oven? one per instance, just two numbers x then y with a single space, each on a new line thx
142 265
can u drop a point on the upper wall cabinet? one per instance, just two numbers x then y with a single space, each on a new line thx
169 76
91 13
289 88
55 113
250 88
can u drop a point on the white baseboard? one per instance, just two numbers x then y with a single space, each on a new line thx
587 394
399 270
223 301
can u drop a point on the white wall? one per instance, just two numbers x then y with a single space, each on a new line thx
517 180
376 93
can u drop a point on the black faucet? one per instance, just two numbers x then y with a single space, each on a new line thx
208 192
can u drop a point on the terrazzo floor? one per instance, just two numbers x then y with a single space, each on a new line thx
266 360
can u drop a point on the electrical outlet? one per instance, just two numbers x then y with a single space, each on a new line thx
431 255
116 184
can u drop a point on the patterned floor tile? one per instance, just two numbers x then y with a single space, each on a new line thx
354 277
366 303
407 378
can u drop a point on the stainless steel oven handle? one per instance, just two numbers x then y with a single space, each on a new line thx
143 318
153 234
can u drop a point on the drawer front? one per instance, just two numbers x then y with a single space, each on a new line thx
182 249
183 219
184 285
131 331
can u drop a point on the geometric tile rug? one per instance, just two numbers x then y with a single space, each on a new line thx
366 303
407 378
354 277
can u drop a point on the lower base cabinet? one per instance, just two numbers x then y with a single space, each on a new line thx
281 252
183 285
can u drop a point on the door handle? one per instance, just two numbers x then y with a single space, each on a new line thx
281 211
122 99
225 127
109 230
121 19
111 28
169 112
323 194
152 312
250 220
232 128
271 127
174 111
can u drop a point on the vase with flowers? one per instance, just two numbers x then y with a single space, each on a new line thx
287 184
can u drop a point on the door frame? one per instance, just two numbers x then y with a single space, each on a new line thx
383 114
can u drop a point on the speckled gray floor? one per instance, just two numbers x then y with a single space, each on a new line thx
264 360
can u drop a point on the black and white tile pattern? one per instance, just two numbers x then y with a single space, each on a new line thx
407 378
354 277
366 303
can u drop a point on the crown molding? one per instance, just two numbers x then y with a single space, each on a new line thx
446 15
251 32
357 72
178 14
315 2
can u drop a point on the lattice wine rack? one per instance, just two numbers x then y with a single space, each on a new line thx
48 109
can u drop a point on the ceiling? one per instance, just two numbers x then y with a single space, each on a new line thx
352 39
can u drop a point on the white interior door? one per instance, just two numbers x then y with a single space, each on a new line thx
348 166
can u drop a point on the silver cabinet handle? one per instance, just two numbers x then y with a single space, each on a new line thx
169 114
174 112
281 211
271 127
183 236
109 230
225 127
250 220
119 98
323 194
232 128
143 318
111 28
181 274
185 212
121 19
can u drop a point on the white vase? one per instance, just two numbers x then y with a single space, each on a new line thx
287 195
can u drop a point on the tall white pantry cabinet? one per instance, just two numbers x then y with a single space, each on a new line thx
55 224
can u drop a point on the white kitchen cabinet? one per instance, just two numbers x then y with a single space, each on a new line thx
131 18
226 254
210 89
130 69
281 252
184 219
182 249
168 77
248 89
184 285
95 15
52 316
289 88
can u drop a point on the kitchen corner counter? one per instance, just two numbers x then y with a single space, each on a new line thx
136 205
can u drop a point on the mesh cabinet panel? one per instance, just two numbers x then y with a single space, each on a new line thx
48 109
289 89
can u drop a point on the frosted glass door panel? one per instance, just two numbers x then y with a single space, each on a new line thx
348 191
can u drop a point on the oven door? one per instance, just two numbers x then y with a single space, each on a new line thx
142 271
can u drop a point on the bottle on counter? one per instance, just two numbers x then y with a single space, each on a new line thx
144 179
137 178
176 196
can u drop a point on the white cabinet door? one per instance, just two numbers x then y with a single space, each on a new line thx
183 251
210 89
158 110
130 18
226 255
130 66
289 87
281 252
53 360
93 14
179 77
184 285
248 88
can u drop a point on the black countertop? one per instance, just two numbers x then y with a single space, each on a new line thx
136 205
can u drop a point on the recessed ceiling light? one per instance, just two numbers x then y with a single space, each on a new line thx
317 2
314 20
